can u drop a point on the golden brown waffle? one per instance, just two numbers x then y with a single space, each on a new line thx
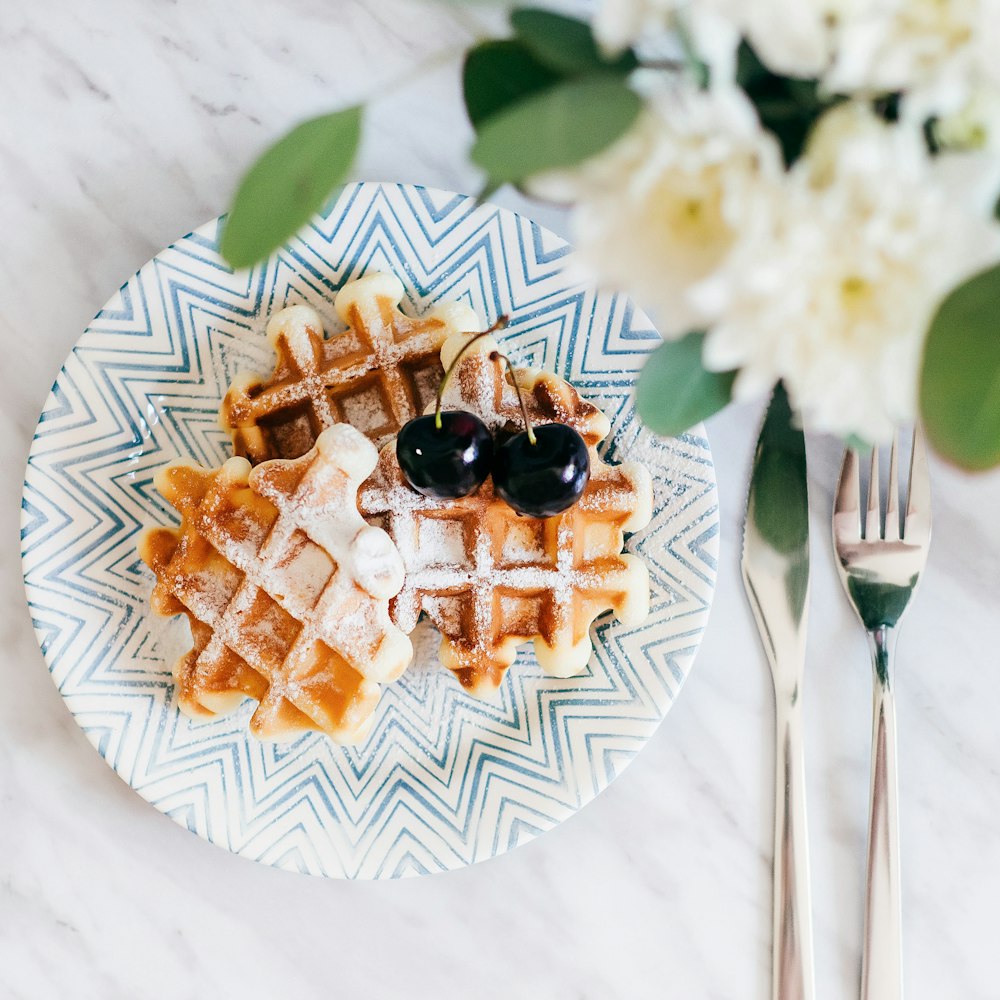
490 579
285 587
378 374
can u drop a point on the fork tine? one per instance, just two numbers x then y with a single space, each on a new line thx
847 502
917 524
891 533
873 523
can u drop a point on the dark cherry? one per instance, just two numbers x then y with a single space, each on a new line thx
445 462
545 477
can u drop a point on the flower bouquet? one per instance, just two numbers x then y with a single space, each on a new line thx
801 193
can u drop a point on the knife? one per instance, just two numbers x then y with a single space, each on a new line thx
776 578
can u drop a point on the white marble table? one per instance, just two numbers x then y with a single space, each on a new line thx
124 125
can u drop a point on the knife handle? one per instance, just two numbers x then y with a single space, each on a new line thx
793 977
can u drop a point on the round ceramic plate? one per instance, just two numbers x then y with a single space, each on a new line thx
443 780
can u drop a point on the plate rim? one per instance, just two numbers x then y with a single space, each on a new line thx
208 230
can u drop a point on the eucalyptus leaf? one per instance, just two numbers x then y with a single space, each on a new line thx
559 127
675 392
499 73
788 107
289 184
960 380
565 44
750 71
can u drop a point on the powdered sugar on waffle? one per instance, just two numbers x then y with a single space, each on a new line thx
375 375
490 579
362 556
286 586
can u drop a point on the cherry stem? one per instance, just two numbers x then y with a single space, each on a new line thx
498 325
529 430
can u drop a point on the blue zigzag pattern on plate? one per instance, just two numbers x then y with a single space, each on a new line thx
444 780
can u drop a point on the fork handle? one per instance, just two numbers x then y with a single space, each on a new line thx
882 957
793 977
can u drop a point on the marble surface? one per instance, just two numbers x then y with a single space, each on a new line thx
124 126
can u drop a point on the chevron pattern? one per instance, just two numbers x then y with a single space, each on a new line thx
443 780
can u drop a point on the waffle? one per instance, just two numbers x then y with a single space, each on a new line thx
489 579
378 374
285 587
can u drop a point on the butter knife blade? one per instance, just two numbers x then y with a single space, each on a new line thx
776 578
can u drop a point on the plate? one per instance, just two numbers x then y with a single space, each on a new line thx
443 780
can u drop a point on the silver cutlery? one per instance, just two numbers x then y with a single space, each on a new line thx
880 568
776 577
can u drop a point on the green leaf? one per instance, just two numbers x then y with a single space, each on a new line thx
750 71
289 184
497 74
675 392
565 44
559 127
787 107
960 381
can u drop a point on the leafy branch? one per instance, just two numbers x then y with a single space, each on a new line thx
290 183
547 97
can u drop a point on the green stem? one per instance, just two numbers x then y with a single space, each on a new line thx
529 430
668 65
695 64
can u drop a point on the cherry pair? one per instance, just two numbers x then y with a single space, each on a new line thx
540 471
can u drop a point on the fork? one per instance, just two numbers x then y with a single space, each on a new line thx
880 569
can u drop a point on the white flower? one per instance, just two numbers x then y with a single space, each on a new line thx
936 50
620 23
713 33
838 301
792 39
666 208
